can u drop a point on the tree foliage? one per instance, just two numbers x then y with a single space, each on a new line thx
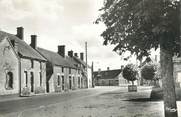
130 72
139 25
148 71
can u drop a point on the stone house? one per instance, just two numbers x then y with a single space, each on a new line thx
22 68
109 78
83 69
61 74
80 79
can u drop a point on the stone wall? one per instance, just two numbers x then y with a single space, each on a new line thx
39 76
8 63
70 79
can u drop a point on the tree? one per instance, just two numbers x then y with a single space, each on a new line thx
148 71
130 73
140 25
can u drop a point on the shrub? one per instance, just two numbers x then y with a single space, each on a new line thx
148 71
151 72
39 90
130 73
25 91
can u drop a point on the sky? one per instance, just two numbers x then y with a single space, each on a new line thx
61 22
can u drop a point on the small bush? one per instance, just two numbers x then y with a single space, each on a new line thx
58 89
148 71
25 91
39 90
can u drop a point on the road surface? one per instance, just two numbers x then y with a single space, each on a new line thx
97 102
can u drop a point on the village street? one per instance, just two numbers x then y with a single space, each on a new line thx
95 102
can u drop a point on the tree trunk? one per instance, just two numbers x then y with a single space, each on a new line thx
169 97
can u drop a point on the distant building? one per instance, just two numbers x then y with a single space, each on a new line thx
109 78
22 68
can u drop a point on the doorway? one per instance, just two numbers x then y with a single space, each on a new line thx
32 81
63 83
70 82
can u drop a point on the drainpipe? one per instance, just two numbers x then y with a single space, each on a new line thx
19 76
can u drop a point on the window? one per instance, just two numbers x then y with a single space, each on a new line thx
9 80
62 69
78 82
32 81
63 82
32 64
40 79
58 80
69 70
70 82
41 65
26 78
73 80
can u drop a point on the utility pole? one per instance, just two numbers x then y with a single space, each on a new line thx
92 70
86 63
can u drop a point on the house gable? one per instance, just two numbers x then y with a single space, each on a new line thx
9 64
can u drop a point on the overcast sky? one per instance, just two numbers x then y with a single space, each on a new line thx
61 22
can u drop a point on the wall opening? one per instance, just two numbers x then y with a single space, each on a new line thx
32 82
58 80
9 80
26 78
63 83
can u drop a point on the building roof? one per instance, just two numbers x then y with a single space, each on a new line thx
55 58
79 61
72 61
108 74
24 50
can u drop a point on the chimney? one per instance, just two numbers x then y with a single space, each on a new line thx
122 67
75 54
70 53
82 56
107 68
33 41
15 45
20 33
61 50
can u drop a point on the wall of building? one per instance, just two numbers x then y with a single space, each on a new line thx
39 76
8 63
108 82
57 73
177 72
